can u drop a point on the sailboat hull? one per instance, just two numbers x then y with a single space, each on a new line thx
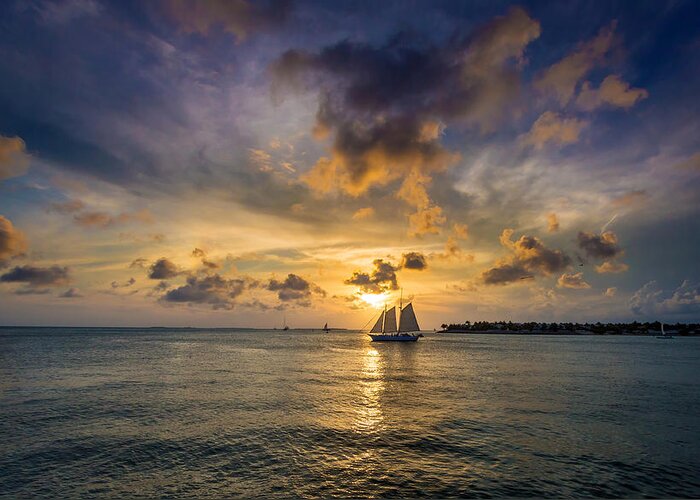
393 338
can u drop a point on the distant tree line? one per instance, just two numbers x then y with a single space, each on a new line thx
634 328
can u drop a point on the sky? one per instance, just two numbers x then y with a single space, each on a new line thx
239 163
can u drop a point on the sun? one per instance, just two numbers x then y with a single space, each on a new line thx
376 300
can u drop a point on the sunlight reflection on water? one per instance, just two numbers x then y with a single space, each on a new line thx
186 413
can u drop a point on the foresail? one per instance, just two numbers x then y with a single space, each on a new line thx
408 321
390 321
377 328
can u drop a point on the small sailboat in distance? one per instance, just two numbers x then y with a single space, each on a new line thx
664 335
386 329
284 323
325 328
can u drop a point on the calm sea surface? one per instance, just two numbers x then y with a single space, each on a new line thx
173 412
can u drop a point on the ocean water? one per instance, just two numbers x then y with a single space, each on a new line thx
212 413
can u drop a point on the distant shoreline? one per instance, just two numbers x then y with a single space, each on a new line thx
564 332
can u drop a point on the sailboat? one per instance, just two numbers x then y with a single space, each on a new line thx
386 329
663 334
325 328
284 323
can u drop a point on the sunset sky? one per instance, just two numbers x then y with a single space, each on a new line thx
229 163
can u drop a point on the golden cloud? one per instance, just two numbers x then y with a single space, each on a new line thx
572 280
13 157
552 127
12 241
611 267
562 77
552 223
613 91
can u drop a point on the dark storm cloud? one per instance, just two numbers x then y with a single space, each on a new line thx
37 276
505 273
414 260
213 290
383 278
163 269
529 256
386 105
294 288
601 246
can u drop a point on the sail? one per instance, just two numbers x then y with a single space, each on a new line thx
408 321
377 328
390 321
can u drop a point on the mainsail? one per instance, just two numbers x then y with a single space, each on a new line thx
377 328
408 321
390 321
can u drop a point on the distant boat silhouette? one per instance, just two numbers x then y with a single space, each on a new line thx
284 323
325 328
386 329
663 334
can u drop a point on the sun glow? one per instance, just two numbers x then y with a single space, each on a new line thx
376 300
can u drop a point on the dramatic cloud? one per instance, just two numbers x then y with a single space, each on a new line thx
612 267
651 300
294 288
104 220
37 276
12 241
13 157
386 107
552 223
613 92
414 260
561 78
572 280
213 290
162 269
529 257
383 278
602 246
553 128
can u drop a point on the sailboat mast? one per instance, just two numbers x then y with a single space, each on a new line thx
384 318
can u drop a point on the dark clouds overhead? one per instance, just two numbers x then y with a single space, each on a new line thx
386 106
162 269
294 288
213 290
599 246
37 276
382 278
529 256
414 260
